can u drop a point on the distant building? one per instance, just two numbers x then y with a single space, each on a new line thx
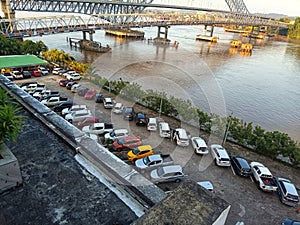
186 205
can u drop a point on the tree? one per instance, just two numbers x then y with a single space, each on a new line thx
294 29
10 122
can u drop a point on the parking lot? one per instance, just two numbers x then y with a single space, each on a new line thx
248 204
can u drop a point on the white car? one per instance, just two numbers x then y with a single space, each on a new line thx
73 77
108 103
44 71
68 73
199 145
118 108
17 74
74 108
78 115
220 155
152 124
117 133
181 137
164 130
56 70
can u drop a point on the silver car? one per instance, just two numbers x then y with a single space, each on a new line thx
167 174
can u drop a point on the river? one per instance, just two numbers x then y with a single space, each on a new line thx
262 88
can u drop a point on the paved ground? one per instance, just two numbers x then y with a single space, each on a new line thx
248 203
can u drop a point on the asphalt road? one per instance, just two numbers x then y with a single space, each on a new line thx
248 204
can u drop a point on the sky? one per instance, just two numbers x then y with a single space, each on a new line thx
286 7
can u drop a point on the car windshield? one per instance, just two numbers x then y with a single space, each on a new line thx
160 171
146 160
135 151
120 141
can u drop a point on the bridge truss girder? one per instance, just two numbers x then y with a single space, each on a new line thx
83 7
56 24
237 6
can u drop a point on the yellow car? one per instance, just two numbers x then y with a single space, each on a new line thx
139 152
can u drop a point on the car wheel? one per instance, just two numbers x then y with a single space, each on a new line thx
70 121
177 180
216 162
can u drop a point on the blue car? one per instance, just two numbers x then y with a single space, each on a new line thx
289 221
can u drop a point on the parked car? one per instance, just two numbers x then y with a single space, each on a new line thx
44 71
90 94
99 98
152 124
181 137
67 73
58 108
164 130
128 113
87 122
77 116
126 143
167 174
240 166
220 155
81 90
61 72
56 71
116 133
287 192
139 152
74 87
73 108
118 108
199 145
108 103
140 119
289 221
70 85
153 161
63 82
98 128
36 73
74 76
26 74
17 74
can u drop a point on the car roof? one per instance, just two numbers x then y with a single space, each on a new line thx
118 104
144 147
222 151
128 138
119 131
172 169
152 120
81 111
199 141
289 186
154 157
182 132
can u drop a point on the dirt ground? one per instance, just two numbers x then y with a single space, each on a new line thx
248 204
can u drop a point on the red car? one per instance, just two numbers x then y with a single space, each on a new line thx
126 143
90 94
36 73
63 83
87 121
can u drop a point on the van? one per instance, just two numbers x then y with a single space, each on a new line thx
152 124
181 137
164 130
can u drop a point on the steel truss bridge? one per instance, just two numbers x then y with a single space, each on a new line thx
122 14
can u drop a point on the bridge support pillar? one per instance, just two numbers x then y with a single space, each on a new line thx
165 32
6 9
211 31
90 32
